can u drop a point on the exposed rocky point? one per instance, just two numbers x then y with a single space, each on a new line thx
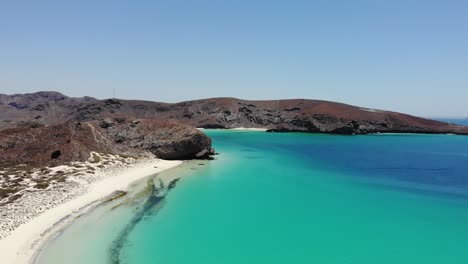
73 141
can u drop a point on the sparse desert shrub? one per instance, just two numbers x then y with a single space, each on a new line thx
42 185
95 158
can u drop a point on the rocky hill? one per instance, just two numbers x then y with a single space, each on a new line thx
74 141
51 108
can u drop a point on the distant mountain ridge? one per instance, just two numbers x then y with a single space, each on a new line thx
302 115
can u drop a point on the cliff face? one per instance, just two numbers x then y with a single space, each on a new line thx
73 141
34 110
165 139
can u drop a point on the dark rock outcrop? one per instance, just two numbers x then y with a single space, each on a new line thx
73 141
165 139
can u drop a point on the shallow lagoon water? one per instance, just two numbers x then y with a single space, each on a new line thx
291 198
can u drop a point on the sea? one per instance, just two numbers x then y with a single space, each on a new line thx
457 121
288 198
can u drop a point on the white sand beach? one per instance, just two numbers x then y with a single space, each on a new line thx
251 129
21 244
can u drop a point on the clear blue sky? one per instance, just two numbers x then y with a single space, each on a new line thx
404 55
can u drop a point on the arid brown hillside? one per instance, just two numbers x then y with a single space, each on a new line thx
73 141
51 108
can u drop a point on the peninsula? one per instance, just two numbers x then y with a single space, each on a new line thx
302 115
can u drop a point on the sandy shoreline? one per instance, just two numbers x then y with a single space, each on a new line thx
21 245
250 129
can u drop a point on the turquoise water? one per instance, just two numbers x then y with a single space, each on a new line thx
291 198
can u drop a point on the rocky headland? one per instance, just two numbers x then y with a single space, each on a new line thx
44 165
314 116
74 141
